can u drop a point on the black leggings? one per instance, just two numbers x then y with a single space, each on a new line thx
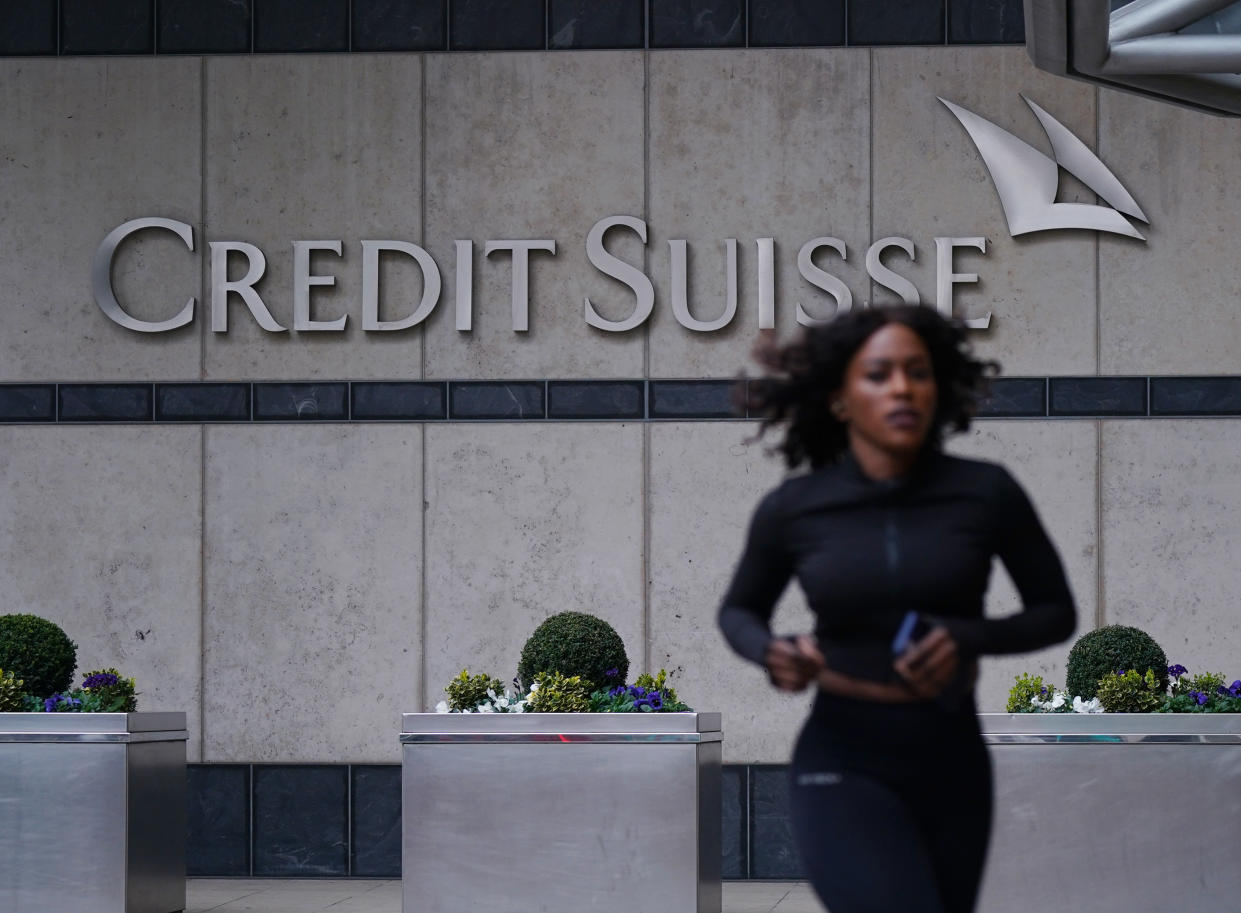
891 806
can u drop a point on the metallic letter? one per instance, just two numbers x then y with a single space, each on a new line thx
302 281
945 278
680 282
618 269
821 279
465 285
220 286
521 275
370 285
766 283
884 276
101 276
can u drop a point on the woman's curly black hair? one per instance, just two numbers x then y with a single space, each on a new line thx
803 375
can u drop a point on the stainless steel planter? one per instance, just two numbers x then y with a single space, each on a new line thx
92 812
1103 812
561 813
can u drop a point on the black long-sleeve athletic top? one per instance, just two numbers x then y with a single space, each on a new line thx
865 552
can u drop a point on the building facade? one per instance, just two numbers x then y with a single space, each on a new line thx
295 527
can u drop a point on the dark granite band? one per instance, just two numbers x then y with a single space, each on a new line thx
91 27
344 820
1058 398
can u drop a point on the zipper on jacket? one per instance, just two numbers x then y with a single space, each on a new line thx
892 548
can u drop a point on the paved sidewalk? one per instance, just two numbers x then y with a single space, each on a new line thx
268 895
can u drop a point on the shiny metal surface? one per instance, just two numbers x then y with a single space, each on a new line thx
222 287
1119 724
456 723
611 265
600 738
823 280
155 851
1027 180
1186 52
1103 812
101 275
431 285
303 280
120 737
520 285
90 825
678 250
561 826
146 721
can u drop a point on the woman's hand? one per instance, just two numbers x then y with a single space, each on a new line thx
930 664
793 663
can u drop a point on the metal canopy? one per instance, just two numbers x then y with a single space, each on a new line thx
1187 52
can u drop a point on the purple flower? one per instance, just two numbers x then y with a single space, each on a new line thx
1176 670
637 692
656 700
1235 688
101 680
617 691
1202 698
640 703
612 673
49 703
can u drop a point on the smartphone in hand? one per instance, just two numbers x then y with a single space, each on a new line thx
913 628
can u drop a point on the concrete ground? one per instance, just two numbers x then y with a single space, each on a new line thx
268 895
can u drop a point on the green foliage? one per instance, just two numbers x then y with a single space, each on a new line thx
100 694
1025 687
658 683
38 651
10 693
649 694
1205 682
465 692
1131 692
1109 650
574 644
557 693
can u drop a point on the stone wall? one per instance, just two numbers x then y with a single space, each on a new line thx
296 587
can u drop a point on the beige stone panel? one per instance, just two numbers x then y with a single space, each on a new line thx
86 145
930 181
1170 305
1171 528
101 535
706 480
305 147
1055 462
524 521
313 549
534 146
748 145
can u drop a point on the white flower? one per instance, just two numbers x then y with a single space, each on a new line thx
534 687
519 707
1056 701
1090 706
486 708
442 707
